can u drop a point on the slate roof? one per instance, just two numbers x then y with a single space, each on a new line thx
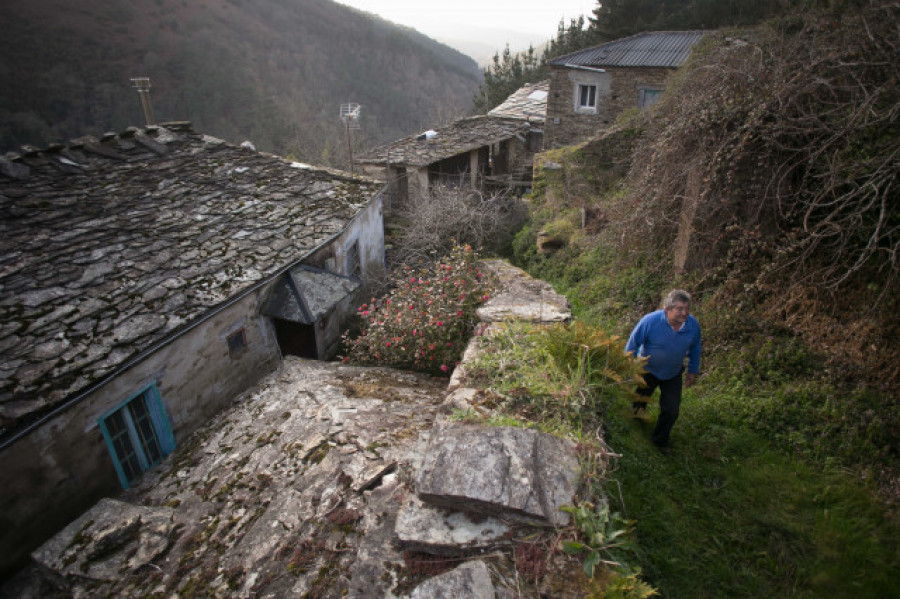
456 138
650 49
306 294
528 102
108 247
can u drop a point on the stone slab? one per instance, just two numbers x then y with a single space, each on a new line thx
111 538
522 298
506 471
472 580
428 529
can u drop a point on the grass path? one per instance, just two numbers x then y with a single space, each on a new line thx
726 514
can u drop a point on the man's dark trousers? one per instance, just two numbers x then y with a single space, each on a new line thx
669 405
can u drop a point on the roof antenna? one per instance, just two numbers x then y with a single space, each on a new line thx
350 116
142 85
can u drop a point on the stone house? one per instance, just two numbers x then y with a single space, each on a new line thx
492 151
591 87
146 279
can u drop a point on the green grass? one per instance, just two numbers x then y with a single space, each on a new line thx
726 514
771 489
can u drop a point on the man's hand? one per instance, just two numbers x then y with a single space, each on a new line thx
689 379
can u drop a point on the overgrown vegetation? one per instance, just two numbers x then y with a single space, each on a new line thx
785 476
426 320
433 223
783 142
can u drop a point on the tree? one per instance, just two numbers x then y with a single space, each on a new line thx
509 71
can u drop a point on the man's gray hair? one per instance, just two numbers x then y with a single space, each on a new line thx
675 296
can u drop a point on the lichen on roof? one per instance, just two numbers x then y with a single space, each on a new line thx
110 245
450 140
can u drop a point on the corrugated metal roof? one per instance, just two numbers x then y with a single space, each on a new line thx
651 49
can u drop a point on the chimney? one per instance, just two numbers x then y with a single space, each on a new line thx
142 85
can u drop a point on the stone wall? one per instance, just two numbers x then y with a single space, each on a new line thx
617 90
56 472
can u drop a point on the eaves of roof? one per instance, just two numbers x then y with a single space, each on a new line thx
650 49
111 246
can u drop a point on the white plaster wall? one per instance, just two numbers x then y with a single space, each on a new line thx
580 77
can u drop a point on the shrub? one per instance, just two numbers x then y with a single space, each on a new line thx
446 216
424 323
563 371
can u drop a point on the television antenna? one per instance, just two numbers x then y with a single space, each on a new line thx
350 116
142 85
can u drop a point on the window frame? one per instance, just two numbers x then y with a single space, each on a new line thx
233 350
591 89
353 260
160 425
655 90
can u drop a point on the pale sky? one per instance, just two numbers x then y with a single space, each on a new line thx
448 19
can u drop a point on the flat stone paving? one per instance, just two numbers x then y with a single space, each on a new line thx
306 487
293 490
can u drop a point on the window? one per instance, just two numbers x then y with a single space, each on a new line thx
648 96
138 435
354 265
587 96
237 342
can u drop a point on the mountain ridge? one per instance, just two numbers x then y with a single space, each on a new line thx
274 73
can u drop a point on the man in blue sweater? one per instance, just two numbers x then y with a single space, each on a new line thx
665 337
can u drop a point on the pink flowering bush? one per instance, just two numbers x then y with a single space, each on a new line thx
426 320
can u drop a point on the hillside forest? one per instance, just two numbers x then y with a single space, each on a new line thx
268 71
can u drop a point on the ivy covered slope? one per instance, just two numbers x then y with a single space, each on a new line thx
765 183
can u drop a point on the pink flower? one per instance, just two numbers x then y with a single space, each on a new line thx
444 367
440 322
388 344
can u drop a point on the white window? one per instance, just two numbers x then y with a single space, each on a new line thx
587 96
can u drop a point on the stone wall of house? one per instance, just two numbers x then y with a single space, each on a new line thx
53 474
366 230
617 90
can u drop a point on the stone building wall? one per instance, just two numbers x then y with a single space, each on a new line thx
617 90
53 474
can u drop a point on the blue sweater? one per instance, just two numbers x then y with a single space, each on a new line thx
653 337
